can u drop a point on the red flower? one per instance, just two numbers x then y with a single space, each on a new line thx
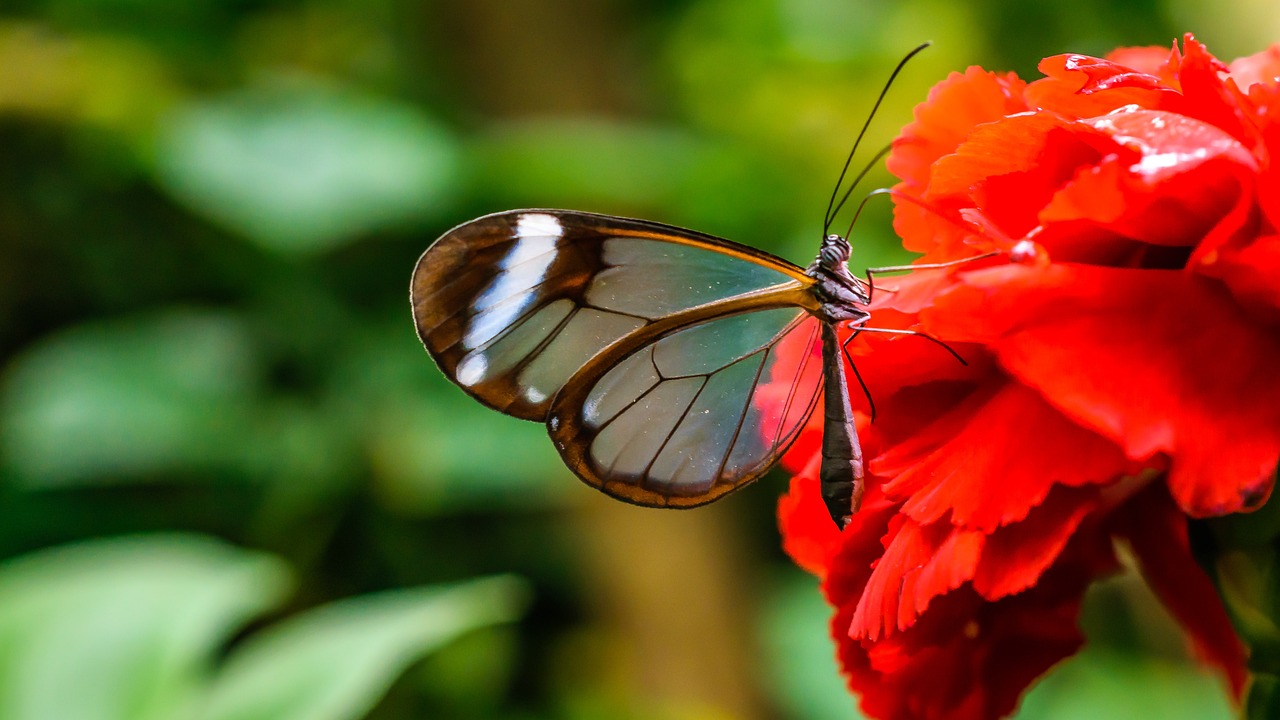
1118 383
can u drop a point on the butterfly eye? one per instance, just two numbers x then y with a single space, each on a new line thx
834 251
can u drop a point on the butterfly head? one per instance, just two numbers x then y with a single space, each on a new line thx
842 295
834 252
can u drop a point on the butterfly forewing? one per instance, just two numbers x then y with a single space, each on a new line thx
702 411
511 305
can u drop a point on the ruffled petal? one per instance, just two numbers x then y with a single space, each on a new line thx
1157 361
1264 104
1190 83
920 563
1251 271
1182 177
941 123
1082 86
1260 68
1016 556
1207 96
1010 168
993 458
966 658
808 535
1150 60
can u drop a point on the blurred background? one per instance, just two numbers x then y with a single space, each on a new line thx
232 483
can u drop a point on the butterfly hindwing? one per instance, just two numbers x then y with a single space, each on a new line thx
512 305
703 410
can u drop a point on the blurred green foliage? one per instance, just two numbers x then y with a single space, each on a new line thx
131 629
208 215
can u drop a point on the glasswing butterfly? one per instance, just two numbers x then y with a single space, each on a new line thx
670 367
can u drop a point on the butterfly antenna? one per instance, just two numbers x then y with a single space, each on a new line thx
853 185
858 213
832 208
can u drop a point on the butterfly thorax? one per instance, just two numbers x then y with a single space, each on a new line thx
841 295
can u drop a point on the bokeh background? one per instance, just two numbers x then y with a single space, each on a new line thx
232 484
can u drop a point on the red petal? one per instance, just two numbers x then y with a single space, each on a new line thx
813 540
795 353
808 535
1184 176
954 107
1157 532
1007 145
1264 67
1158 361
1016 556
993 458
890 363
1251 271
1264 102
1012 167
966 658
1082 86
1207 96
919 564
1168 144
858 550
1151 60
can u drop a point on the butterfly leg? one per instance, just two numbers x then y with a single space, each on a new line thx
844 347
872 272
917 333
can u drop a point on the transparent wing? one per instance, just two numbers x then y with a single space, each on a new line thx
511 305
704 410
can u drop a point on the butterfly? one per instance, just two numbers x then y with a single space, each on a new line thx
670 367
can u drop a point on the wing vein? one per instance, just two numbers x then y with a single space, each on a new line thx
644 477
795 385
542 345
510 328
622 410
737 430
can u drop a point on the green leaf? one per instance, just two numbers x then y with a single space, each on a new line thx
123 629
1247 581
1103 683
302 166
1263 701
129 397
447 454
176 394
333 663
1242 553
434 449
638 169
800 659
